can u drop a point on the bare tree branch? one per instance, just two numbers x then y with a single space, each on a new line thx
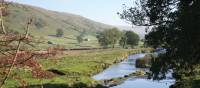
16 54
1 16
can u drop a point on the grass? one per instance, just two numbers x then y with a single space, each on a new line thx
78 66
68 42
46 22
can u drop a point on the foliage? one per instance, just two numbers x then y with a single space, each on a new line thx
39 23
174 26
49 42
187 84
15 51
132 38
144 62
123 41
80 37
109 37
78 66
59 32
129 38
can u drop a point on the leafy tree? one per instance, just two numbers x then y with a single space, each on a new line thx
109 37
129 38
123 41
132 38
39 23
174 26
59 32
81 36
103 39
79 39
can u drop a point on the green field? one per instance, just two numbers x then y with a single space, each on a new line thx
78 66
69 42
45 23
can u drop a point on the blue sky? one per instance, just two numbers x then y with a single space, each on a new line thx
99 10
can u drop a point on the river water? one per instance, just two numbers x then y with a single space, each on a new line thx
127 67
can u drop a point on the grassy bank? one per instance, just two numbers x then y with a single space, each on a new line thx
117 81
78 67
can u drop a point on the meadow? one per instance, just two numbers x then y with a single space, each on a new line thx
72 68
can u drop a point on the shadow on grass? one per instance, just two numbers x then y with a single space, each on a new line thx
77 85
57 72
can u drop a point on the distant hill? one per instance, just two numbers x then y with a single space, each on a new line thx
46 22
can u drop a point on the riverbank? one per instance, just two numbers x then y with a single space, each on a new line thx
76 67
125 74
117 81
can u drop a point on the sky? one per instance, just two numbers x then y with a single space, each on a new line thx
104 11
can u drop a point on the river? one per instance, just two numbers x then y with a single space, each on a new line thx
127 67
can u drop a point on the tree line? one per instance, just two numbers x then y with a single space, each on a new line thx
112 37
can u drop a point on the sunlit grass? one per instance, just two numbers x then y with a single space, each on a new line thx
78 66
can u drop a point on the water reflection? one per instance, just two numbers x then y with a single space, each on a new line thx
127 67
144 83
119 70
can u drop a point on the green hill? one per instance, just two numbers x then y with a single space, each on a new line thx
46 22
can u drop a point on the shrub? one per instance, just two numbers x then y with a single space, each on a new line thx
49 42
144 62
59 32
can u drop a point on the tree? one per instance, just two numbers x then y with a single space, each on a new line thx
81 36
59 32
132 38
174 26
15 50
109 37
79 39
129 38
123 41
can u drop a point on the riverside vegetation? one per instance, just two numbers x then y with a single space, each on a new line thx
174 26
76 67
40 60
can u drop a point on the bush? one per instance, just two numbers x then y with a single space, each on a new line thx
144 62
39 23
109 37
79 39
49 42
59 33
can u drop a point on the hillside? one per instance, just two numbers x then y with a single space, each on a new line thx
45 22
